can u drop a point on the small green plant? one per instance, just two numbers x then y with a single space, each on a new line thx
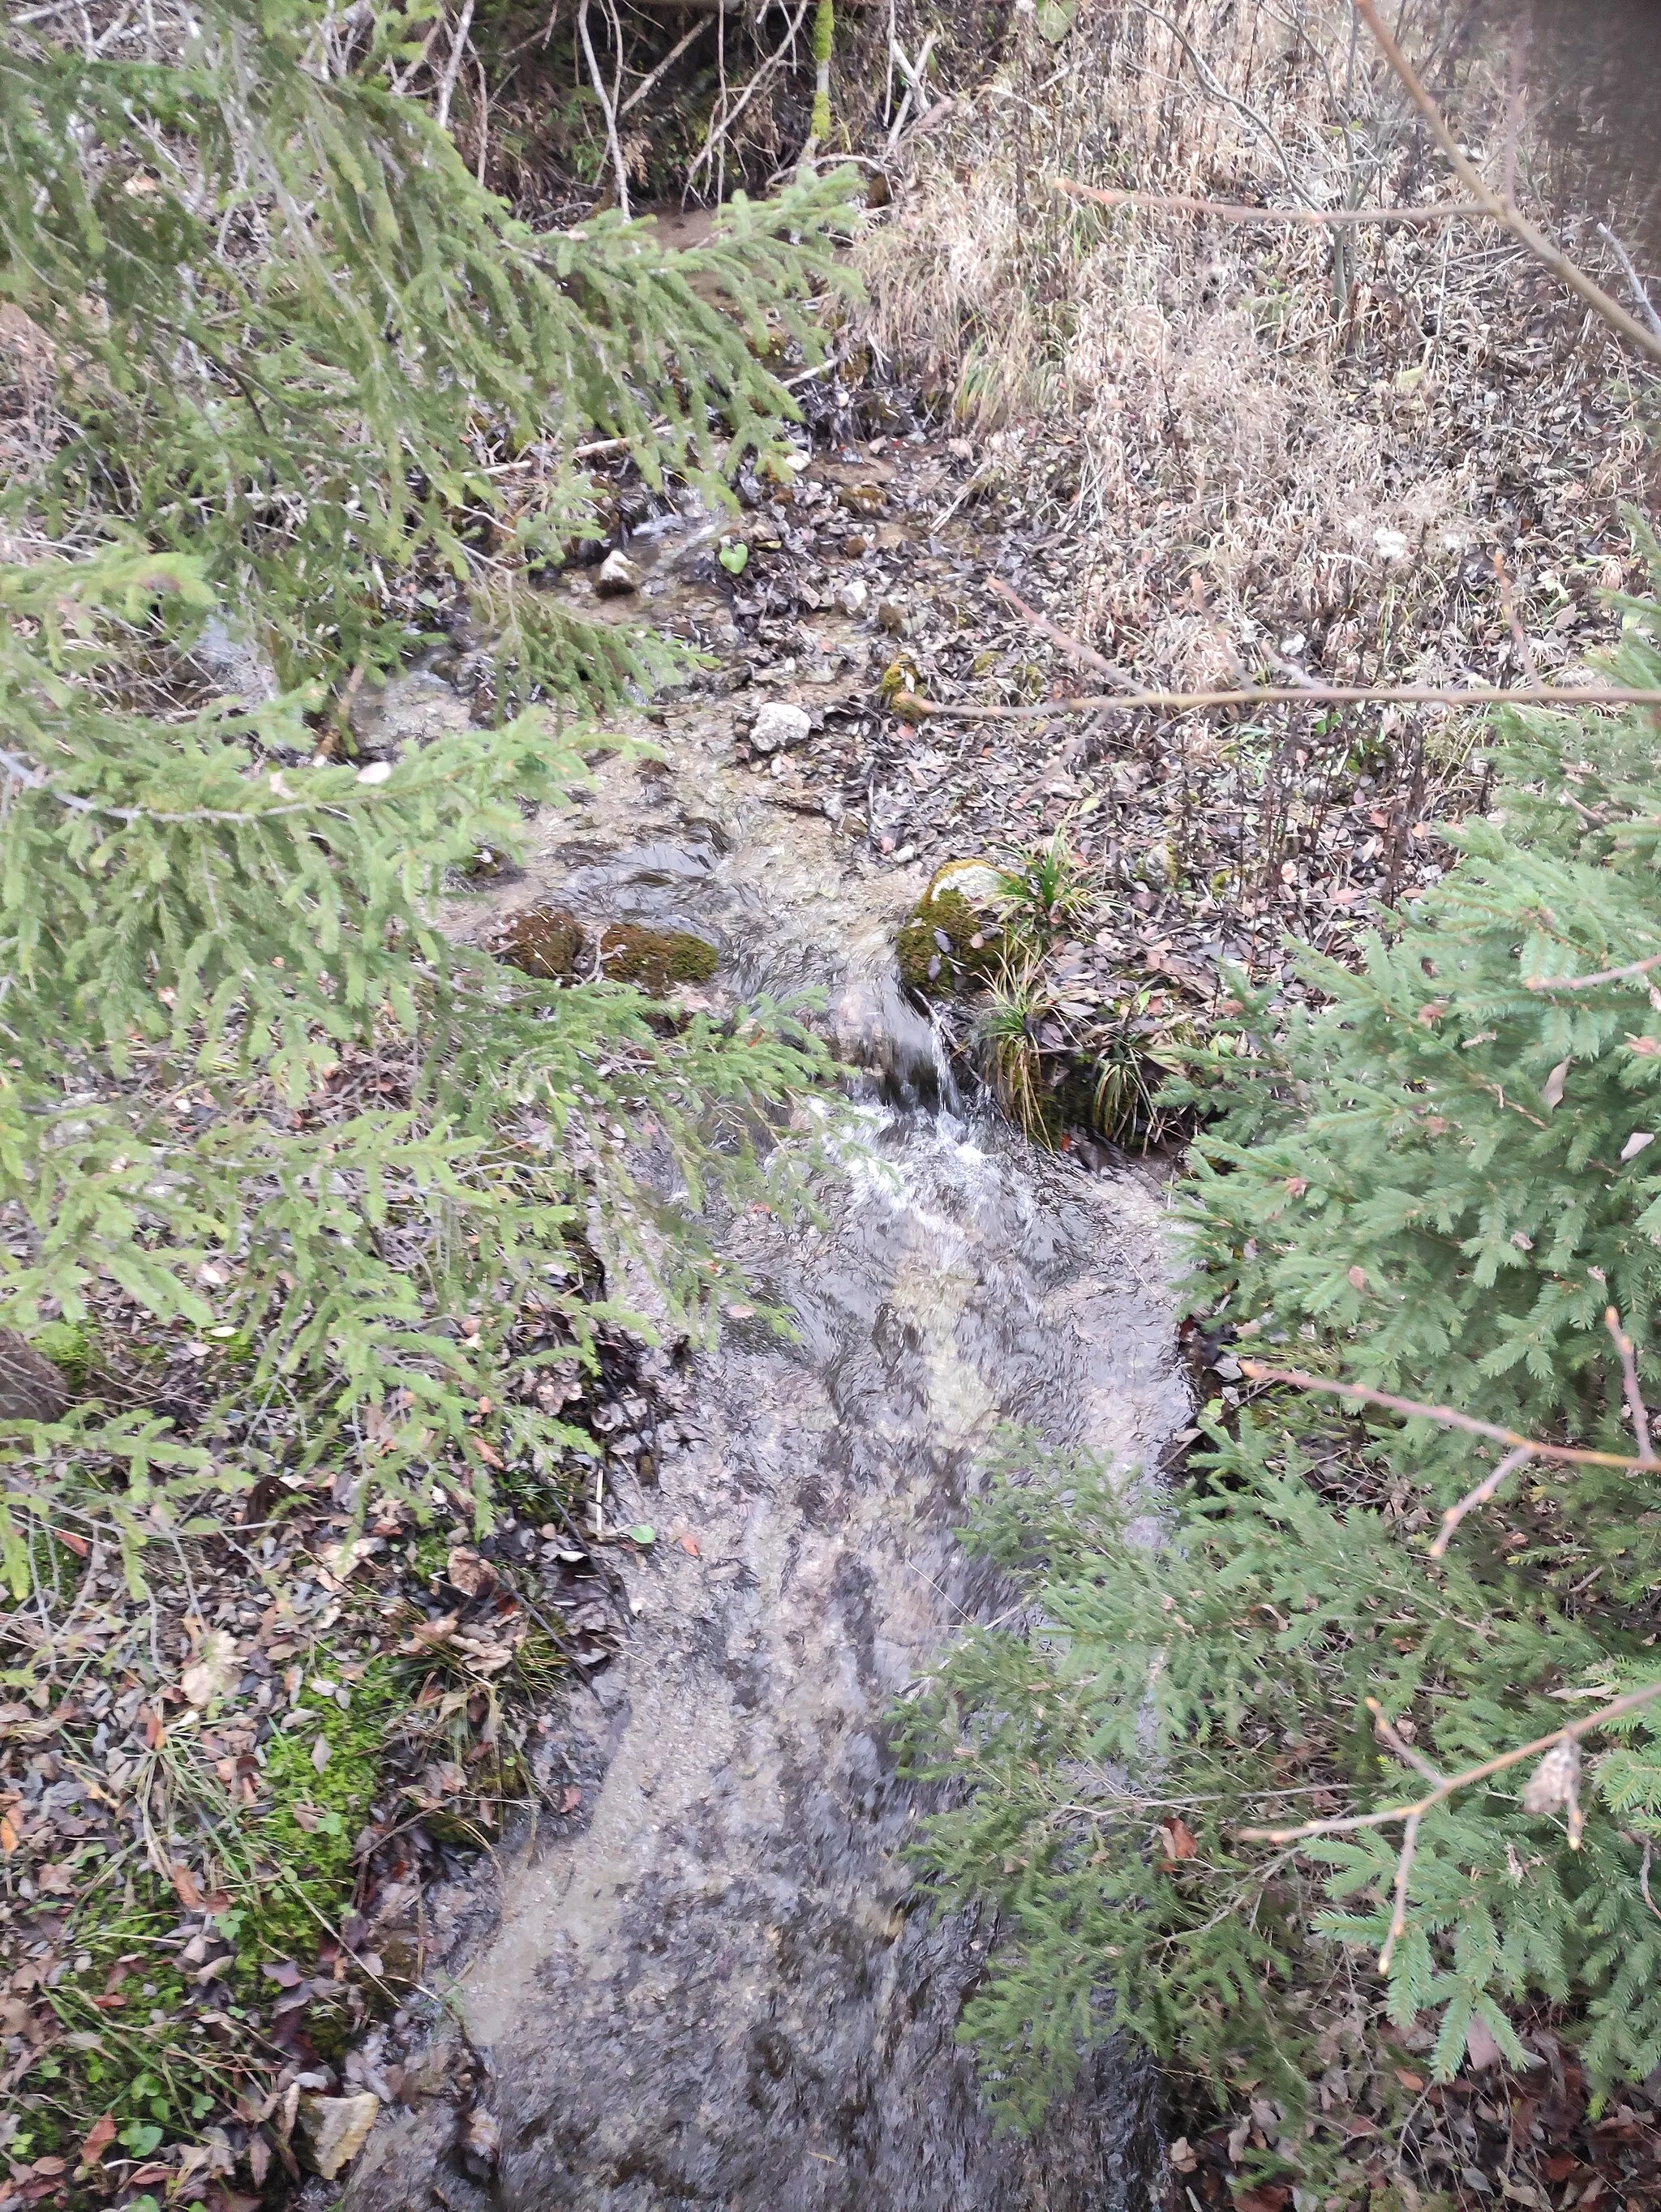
1049 893
1010 1049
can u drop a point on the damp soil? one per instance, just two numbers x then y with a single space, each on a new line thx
712 1981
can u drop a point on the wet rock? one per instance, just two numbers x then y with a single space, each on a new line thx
618 577
332 2131
655 959
410 711
236 661
31 1387
981 882
544 941
778 727
547 941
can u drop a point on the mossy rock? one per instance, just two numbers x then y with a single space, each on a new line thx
655 959
542 941
546 941
946 947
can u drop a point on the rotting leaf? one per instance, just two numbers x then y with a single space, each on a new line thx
210 1678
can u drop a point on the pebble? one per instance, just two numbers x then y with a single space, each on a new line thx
852 596
778 726
618 575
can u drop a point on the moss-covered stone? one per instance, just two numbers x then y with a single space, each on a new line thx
542 941
948 946
548 942
655 959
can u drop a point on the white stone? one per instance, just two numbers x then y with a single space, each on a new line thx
618 576
335 2128
778 726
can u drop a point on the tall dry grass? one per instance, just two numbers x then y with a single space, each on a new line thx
1270 443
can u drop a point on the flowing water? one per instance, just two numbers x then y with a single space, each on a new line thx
719 1989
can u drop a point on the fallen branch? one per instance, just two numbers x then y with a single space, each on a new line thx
1239 211
916 708
1567 272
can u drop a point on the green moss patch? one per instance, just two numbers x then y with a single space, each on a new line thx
945 947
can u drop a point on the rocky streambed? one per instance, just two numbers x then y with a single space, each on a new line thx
708 1981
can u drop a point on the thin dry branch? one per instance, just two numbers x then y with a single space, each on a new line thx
916 708
1636 1412
607 99
1472 1499
1444 1416
1076 645
1239 211
1585 982
1567 272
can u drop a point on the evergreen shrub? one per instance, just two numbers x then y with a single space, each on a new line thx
1438 1181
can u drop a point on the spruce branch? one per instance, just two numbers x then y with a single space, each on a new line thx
1412 1814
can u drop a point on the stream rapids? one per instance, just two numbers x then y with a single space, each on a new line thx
720 1989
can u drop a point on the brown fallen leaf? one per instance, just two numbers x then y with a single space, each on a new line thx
1178 1838
689 1544
468 1573
185 1888
97 2140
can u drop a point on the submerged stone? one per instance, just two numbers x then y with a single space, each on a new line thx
549 942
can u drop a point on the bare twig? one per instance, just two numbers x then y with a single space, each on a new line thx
1632 276
1388 1732
1567 272
1472 1499
446 83
1239 211
1444 1416
913 707
667 63
1585 982
1514 621
1636 1413
608 104
720 124
1644 1878
1076 645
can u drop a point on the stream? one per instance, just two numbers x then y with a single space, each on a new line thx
716 1986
